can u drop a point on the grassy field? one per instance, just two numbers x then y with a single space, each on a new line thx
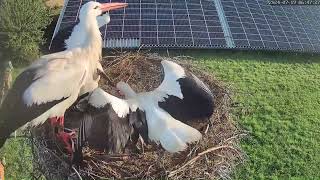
54 3
279 99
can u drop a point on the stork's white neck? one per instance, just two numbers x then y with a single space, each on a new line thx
93 39
88 31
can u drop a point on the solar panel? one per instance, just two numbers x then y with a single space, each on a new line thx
244 24
168 23
157 23
256 24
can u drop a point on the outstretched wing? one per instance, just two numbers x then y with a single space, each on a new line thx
100 128
107 122
186 96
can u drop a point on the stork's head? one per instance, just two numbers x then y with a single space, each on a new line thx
94 9
125 90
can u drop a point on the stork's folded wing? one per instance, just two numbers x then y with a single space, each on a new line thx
57 78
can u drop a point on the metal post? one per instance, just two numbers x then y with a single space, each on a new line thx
6 81
56 29
224 24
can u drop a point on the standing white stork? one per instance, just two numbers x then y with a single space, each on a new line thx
53 83
74 36
109 121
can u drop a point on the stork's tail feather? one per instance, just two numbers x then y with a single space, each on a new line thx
176 137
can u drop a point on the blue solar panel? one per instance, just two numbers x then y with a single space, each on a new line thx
159 23
241 24
255 24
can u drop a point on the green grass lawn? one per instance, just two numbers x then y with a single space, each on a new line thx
281 95
18 156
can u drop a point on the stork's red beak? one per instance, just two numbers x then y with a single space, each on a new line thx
112 6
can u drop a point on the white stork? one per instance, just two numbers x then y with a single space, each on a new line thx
158 115
74 36
48 87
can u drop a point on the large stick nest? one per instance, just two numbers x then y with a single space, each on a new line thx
214 157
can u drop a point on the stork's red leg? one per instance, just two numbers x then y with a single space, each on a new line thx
65 138
61 121
53 121
57 121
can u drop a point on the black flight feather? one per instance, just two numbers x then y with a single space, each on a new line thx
102 128
197 100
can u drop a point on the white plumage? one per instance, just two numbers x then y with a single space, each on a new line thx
74 36
99 99
170 86
172 134
69 73
163 128
77 37
52 84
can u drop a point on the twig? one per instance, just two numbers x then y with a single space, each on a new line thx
90 173
75 170
234 137
206 131
191 161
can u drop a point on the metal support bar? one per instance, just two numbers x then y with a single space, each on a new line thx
123 43
56 29
224 24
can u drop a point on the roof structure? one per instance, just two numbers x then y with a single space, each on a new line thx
237 24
